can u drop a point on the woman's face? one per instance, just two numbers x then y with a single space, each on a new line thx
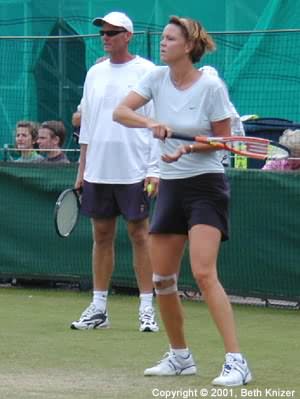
23 138
173 45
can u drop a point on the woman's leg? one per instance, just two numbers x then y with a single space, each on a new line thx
204 247
166 252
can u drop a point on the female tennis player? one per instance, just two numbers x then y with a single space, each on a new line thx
193 196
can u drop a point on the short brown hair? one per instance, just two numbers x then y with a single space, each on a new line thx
194 32
57 128
31 126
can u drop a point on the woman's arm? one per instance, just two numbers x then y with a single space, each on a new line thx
125 112
220 129
126 115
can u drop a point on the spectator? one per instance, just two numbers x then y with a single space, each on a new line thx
115 168
193 199
51 137
26 137
290 139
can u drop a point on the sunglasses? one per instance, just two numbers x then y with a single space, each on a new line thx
111 33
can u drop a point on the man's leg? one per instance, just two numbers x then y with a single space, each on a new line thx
139 236
95 316
103 252
138 232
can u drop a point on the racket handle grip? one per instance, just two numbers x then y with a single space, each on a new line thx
181 136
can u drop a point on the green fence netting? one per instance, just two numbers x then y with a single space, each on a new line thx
262 258
42 78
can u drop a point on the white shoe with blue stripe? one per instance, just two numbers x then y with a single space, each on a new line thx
172 364
235 372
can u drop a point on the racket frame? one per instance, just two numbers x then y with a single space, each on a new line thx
221 144
57 207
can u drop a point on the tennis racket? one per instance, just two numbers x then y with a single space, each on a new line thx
66 212
251 147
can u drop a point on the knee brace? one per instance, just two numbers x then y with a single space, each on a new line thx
165 285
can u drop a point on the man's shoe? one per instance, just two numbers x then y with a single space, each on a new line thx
235 372
172 364
91 318
147 320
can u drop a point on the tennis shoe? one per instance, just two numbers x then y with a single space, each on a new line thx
147 320
234 372
91 318
172 364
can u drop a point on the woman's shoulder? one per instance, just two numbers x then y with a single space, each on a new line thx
156 74
159 73
212 80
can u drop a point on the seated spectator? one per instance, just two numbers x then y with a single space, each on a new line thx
290 139
51 137
26 137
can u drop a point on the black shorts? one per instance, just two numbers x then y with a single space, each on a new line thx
183 203
104 201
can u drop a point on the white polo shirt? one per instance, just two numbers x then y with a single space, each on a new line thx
115 154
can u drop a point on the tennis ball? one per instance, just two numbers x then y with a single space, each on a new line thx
150 188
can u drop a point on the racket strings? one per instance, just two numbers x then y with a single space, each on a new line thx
275 152
67 214
249 147
260 150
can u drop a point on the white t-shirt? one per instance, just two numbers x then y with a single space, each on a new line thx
115 154
237 128
189 111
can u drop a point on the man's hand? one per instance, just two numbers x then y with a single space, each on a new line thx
151 185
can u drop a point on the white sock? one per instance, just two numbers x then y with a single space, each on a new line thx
181 352
145 300
236 355
100 300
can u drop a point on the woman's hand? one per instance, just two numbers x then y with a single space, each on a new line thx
159 130
169 158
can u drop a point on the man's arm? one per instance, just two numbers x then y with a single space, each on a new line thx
81 166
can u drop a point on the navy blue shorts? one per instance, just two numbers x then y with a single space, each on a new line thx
184 203
104 201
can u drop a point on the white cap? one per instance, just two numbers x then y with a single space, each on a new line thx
115 18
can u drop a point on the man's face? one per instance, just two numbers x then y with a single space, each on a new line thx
47 140
116 43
